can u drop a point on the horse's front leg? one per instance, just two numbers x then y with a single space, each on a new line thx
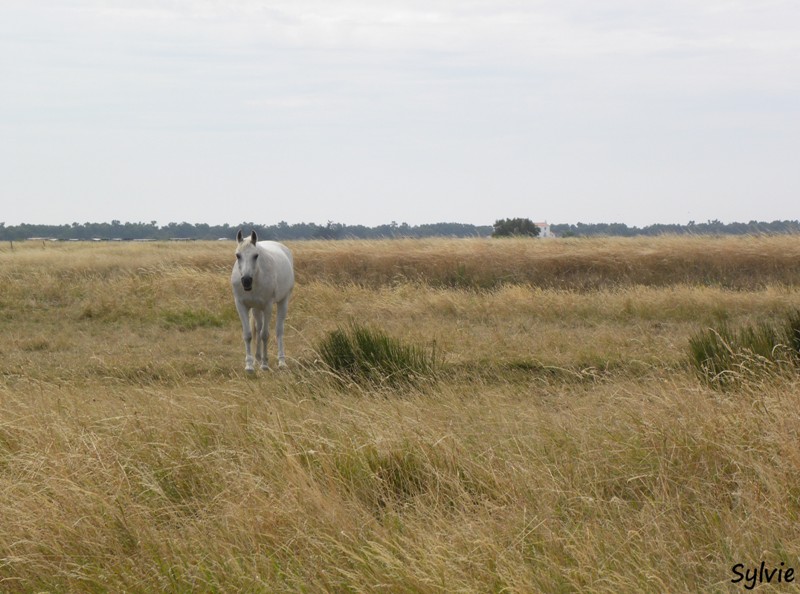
262 334
283 307
247 336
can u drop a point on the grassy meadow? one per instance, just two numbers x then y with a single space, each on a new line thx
565 443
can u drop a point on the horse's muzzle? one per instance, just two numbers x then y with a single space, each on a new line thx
247 283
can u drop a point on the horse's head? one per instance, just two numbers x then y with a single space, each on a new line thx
246 257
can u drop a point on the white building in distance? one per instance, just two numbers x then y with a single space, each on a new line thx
544 229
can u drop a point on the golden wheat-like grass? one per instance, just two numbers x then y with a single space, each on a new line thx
566 445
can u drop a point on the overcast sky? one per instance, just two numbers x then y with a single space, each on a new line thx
367 112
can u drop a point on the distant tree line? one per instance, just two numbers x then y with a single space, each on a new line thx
283 231
714 227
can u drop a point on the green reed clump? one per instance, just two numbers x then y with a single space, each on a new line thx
368 355
727 355
792 330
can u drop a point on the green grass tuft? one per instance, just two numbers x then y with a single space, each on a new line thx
724 355
370 356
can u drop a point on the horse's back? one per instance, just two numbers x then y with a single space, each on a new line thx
283 263
274 247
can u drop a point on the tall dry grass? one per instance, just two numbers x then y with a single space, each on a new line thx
566 446
730 262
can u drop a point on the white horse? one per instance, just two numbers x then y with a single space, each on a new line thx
263 274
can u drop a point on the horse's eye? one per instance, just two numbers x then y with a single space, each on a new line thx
255 256
238 256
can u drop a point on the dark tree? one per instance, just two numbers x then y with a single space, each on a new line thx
515 228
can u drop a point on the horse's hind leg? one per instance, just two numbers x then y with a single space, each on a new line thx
283 307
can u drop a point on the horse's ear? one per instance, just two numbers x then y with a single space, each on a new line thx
253 238
239 236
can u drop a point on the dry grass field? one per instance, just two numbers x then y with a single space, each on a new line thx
565 444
